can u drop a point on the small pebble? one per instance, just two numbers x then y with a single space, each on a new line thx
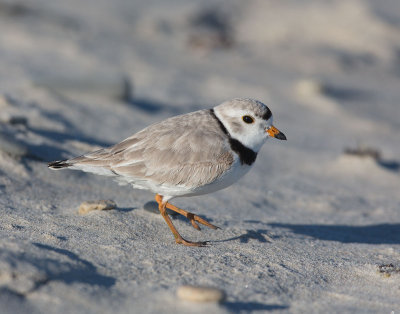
200 294
152 207
89 206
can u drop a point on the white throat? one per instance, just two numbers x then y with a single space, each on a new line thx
253 137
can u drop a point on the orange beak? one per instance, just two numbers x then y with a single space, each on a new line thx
274 132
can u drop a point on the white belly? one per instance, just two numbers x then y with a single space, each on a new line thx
234 173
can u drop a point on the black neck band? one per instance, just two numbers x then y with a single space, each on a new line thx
246 155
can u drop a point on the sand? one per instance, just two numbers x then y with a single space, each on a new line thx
313 228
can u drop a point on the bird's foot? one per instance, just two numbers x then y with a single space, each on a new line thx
190 243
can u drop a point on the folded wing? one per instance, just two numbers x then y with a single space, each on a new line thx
187 150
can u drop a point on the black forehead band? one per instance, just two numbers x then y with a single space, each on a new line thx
267 114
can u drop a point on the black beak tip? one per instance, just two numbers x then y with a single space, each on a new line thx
281 136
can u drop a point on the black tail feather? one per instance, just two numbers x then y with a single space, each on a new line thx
59 164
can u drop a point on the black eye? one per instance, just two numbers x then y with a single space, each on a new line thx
248 119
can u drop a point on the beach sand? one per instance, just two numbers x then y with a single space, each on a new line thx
313 228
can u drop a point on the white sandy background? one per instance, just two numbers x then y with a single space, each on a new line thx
308 230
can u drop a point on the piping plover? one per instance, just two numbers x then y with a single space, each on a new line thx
191 154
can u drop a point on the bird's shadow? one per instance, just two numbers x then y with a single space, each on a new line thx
260 235
371 234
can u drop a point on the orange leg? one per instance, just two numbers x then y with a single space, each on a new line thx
192 217
178 238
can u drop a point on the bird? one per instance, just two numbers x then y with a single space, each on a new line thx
186 155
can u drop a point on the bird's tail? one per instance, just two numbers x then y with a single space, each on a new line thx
59 164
